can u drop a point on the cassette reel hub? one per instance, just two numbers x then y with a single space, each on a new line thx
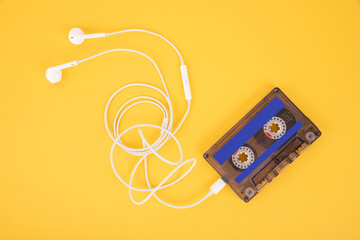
275 128
239 160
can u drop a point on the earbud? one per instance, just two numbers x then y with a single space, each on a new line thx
53 74
77 36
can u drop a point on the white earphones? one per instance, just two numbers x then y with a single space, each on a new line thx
77 36
167 132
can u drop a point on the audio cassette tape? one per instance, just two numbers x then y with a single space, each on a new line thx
269 138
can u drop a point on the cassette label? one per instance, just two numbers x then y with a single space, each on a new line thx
249 130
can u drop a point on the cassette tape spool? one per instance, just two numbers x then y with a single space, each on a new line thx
258 147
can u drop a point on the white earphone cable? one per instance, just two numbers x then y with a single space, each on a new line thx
152 33
166 128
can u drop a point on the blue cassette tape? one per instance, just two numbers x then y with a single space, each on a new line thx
254 151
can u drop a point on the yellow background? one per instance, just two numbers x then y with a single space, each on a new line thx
55 176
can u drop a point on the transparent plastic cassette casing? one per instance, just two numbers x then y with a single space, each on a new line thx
271 153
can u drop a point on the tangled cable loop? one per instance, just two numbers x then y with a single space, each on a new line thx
166 133
147 149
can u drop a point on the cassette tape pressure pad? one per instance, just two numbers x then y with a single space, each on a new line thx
254 151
